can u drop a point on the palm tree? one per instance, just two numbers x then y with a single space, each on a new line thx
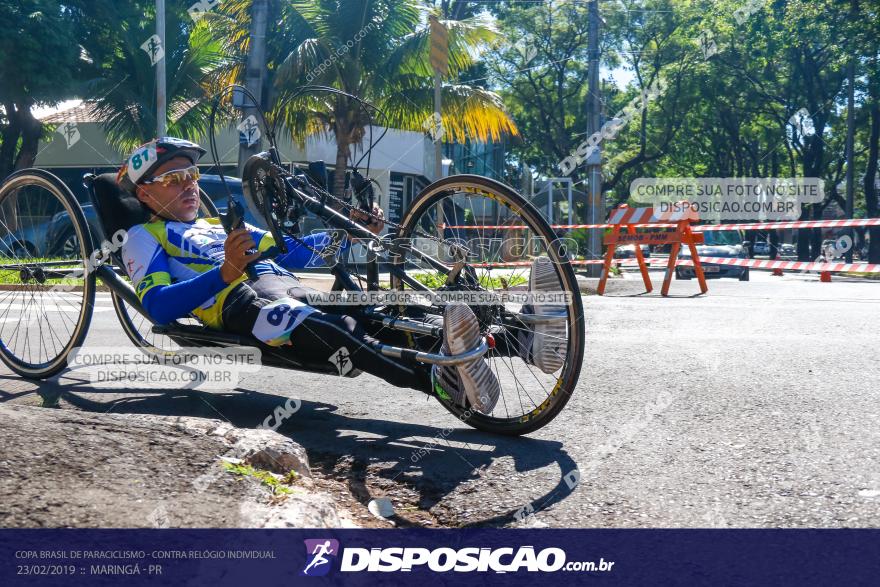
125 94
377 50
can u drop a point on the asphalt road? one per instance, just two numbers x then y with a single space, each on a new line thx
757 405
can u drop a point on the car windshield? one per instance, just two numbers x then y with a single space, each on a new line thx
723 237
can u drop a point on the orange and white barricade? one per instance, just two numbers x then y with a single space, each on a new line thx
624 218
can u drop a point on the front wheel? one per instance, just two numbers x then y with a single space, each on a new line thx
504 234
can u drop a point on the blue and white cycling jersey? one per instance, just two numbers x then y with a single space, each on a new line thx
175 266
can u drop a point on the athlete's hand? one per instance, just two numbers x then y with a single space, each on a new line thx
236 257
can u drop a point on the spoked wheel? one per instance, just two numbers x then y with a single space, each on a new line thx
138 327
504 235
46 301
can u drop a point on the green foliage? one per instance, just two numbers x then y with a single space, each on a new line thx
735 73
436 280
125 85
277 485
39 62
375 49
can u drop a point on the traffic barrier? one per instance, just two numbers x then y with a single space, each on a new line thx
629 219
644 218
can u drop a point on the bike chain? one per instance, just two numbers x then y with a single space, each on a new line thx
349 206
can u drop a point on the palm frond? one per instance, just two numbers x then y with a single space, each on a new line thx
467 112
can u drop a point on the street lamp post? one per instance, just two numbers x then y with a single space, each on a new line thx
595 204
256 69
161 100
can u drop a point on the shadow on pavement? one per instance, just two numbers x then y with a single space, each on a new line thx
430 460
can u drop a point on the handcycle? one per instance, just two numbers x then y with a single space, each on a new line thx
46 304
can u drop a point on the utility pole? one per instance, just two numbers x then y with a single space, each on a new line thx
595 203
850 132
253 78
161 99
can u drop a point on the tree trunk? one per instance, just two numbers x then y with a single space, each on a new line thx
11 134
342 149
31 129
22 125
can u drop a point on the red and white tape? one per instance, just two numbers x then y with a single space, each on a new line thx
529 263
699 228
791 265
753 263
792 224
554 226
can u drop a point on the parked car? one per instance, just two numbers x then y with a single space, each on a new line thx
718 243
629 251
761 248
25 242
62 236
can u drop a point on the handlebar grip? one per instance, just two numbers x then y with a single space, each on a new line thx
233 218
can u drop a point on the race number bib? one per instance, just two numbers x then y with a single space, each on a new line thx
277 320
141 160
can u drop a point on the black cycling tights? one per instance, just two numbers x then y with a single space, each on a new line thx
325 335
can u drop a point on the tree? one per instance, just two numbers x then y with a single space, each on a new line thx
377 50
124 88
39 65
541 77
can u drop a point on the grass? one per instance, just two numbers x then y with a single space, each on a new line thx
277 484
13 277
436 280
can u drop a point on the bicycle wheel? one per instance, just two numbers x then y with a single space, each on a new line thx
46 301
504 234
138 327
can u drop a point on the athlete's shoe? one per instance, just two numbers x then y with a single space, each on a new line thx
472 381
544 343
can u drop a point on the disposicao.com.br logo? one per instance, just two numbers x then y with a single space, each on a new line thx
443 559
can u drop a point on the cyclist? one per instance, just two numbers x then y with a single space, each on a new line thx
180 264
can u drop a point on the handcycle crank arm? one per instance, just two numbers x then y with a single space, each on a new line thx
434 358
405 324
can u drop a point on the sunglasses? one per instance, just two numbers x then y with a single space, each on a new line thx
175 177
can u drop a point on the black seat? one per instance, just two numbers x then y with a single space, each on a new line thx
117 208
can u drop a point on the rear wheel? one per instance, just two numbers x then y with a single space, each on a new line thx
46 303
504 234
138 327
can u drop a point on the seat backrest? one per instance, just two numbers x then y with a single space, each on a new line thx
117 208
